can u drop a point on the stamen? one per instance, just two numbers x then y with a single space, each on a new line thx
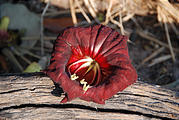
84 83
90 67
86 88
74 77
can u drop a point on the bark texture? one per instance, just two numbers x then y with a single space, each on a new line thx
34 96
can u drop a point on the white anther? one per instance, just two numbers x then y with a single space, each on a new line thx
84 83
74 77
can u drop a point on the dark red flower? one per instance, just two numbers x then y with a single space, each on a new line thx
91 63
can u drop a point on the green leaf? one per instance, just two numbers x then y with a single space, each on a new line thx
33 67
4 23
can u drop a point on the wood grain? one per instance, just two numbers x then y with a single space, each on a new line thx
33 96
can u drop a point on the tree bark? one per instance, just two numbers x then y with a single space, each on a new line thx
34 96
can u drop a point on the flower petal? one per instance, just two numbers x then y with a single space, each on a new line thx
72 89
118 82
103 45
125 76
56 69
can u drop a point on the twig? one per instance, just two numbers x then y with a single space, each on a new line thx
42 28
119 25
21 55
172 85
127 17
57 13
108 14
136 23
90 4
169 8
169 42
120 21
32 54
73 14
148 37
174 28
12 59
155 53
85 23
159 60
37 38
115 22
83 12
38 48
91 7
120 18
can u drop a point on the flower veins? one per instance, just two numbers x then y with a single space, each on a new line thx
91 63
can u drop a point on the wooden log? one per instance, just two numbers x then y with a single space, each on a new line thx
32 96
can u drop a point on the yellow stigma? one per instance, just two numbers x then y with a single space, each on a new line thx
85 86
74 77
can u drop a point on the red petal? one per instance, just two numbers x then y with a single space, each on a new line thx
70 87
117 82
122 79
103 44
56 70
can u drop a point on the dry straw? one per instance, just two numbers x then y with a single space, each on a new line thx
167 13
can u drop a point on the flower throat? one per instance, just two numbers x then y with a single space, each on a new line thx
85 70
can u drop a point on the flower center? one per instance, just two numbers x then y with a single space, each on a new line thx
85 70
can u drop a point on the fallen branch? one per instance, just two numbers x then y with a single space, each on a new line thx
32 96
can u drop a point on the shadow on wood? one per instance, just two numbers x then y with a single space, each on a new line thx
34 96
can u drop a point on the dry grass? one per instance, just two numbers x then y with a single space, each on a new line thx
119 11
166 11
124 10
